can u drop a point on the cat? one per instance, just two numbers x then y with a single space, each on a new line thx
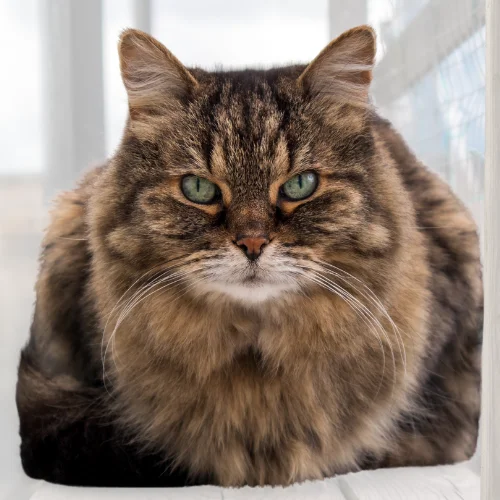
262 286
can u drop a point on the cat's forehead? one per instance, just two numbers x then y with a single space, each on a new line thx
240 130
249 135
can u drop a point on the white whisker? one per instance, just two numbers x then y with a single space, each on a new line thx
132 302
365 314
138 298
374 299
121 301
174 299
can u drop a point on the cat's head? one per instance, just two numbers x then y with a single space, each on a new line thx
248 182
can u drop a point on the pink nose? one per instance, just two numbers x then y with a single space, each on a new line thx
252 245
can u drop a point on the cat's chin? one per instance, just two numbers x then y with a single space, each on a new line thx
250 292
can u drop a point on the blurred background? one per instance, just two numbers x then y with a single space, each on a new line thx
63 106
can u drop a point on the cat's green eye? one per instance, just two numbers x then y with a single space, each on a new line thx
199 190
300 186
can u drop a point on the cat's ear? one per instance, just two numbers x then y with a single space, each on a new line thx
153 76
342 71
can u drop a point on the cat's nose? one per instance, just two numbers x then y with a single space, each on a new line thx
252 245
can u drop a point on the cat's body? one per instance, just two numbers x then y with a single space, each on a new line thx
352 341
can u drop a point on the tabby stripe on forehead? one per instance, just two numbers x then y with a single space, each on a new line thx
208 147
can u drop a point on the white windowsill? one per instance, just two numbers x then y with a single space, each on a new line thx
452 482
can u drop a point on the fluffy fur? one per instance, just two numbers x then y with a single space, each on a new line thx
159 354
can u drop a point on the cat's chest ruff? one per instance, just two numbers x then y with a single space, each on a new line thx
246 386
253 414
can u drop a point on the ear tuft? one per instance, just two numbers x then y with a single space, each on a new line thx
342 71
152 75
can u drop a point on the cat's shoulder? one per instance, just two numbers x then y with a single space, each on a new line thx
67 215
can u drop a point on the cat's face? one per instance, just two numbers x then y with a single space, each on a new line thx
245 183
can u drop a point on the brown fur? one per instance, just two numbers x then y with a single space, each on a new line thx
300 385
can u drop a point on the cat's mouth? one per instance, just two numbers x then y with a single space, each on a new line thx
266 278
252 278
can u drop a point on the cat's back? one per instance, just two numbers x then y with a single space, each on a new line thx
433 200
450 233
450 379
63 319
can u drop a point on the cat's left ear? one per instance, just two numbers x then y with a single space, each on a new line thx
154 78
342 71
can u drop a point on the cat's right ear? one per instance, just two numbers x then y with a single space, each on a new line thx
154 78
342 72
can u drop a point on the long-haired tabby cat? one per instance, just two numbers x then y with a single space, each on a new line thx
262 286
